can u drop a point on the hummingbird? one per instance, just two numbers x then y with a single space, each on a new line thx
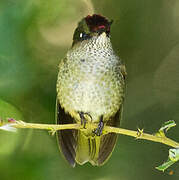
90 89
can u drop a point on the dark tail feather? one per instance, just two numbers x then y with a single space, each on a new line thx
67 139
108 141
107 145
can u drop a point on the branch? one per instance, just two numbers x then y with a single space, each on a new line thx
160 137
139 134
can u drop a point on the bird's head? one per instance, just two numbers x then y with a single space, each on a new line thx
91 26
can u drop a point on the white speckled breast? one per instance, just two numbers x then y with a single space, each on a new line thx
90 79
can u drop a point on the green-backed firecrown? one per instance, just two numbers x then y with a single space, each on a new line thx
90 89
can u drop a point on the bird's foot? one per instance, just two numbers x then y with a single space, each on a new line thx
83 119
98 131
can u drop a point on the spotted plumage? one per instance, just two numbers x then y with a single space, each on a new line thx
90 83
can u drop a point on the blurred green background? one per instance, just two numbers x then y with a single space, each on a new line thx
35 35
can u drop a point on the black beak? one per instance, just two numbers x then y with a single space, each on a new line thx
106 29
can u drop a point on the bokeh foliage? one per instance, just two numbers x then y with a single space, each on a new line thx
34 36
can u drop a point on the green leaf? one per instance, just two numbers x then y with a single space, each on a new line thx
165 127
172 158
174 154
165 165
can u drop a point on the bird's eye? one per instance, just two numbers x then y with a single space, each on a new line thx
81 35
84 36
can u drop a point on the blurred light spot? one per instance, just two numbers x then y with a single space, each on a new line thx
62 34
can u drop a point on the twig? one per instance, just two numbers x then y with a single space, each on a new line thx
107 129
140 135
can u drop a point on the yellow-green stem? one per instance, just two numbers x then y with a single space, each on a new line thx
107 129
